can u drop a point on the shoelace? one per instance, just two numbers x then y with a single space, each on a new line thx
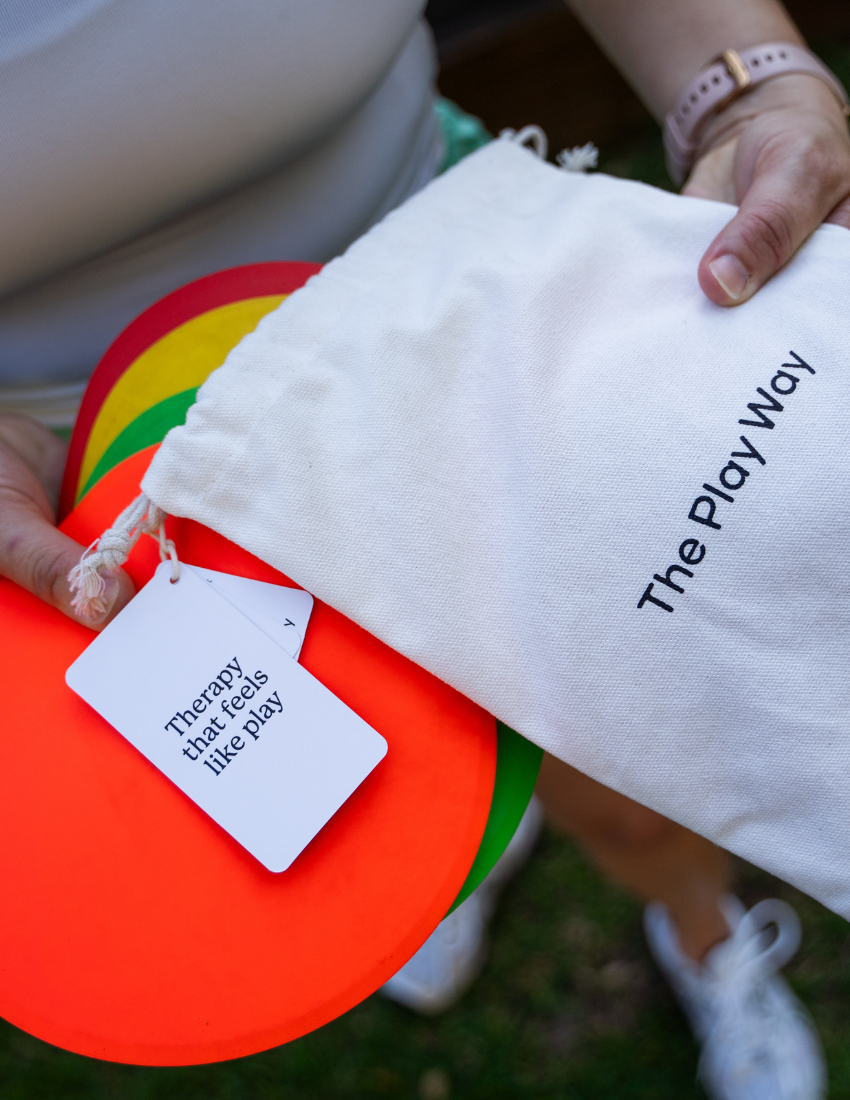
737 976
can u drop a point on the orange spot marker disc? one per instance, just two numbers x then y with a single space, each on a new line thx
133 928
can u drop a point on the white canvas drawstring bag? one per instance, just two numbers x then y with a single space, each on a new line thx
507 433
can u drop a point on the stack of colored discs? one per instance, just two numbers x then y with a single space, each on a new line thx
137 930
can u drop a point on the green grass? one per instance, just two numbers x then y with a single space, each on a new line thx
569 1007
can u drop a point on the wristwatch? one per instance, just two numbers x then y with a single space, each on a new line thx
727 77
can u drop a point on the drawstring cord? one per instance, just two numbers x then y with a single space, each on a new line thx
112 549
581 158
528 135
167 550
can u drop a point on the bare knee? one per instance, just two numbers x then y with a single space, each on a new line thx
632 827
595 814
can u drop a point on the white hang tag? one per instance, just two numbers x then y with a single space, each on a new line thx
282 613
246 732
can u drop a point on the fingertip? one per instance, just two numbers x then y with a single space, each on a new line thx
118 590
125 591
733 278
725 280
40 558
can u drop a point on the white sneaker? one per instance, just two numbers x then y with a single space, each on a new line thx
758 1042
450 960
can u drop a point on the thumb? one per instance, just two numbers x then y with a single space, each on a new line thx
791 192
39 557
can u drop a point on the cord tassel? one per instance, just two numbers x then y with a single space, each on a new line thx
111 551
581 158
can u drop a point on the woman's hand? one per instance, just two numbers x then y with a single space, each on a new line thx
33 553
781 153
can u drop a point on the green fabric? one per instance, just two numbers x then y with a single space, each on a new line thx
461 133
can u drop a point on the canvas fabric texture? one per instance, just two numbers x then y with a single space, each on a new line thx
485 429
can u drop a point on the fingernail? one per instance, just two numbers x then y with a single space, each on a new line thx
98 612
731 274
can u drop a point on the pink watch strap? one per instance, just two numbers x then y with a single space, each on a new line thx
725 79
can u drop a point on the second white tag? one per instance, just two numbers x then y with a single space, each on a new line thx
282 613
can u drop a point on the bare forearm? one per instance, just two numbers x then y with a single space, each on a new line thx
781 151
660 44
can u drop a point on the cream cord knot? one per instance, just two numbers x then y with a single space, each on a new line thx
528 135
111 551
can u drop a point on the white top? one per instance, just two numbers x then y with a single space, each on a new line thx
146 143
